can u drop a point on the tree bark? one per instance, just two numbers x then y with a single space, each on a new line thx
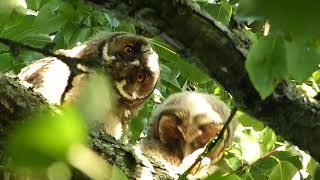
221 52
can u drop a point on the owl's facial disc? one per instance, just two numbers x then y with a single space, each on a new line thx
133 65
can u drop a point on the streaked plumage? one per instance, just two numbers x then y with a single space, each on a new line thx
128 59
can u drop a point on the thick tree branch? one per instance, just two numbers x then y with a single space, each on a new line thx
221 53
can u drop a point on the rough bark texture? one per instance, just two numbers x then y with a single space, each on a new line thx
221 53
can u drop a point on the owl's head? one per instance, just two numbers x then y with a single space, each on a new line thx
187 121
132 64
128 59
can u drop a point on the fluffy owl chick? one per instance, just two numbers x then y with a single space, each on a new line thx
184 123
127 59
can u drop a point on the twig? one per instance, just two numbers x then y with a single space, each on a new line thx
211 144
70 61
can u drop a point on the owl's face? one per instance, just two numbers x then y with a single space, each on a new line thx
187 121
132 64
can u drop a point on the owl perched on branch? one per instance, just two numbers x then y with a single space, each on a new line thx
183 124
127 59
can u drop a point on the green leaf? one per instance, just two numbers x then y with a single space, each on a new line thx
80 35
266 63
221 11
291 156
127 27
18 31
267 140
234 162
219 175
164 51
138 123
169 75
302 60
312 166
113 22
37 40
191 72
48 21
257 173
33 4
283 171
46 139
118 174
5 62
306 13
248 121
8 7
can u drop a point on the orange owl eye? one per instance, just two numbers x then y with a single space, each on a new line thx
141 77
127 49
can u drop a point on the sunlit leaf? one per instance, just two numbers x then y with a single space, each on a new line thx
7 7
302 60
266 63
118 174
219 175
283 171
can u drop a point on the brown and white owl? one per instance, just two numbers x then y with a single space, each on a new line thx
127 59
181 126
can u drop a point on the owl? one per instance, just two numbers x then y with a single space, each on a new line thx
127 59
181 126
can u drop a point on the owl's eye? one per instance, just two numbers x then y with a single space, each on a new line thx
127 49
141 77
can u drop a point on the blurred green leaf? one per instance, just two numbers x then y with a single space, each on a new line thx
8 7
33 4
127 27
169 75
79 35
138 123
257 173
283 171
219 175
221 11
266 63
234 162
267 140
118 174
46 139
18 31
36 40
5 61
248 121
191 72
312 165
48 21
285 14
302 60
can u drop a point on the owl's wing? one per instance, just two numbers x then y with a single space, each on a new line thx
48 76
